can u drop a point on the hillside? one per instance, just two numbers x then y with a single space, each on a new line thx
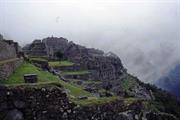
171 81
78 83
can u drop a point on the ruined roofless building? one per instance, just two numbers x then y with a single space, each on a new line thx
37 48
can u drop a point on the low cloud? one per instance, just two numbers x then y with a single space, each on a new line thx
143 33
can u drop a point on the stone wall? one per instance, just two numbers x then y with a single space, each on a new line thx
7 68
51 103
34 103
7 50
8 58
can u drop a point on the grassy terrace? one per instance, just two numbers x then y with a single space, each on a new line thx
82 72
18 76
46 79
60 63
38 59
96 101
75 90
43 78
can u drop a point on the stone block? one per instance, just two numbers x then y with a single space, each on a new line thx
30 78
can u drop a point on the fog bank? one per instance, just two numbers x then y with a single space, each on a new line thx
145 34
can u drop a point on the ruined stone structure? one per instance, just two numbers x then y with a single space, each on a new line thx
8 67
8 49
9 60
37 48
51 103
103 66
54 44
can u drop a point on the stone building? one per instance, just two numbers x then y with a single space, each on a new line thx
37 48
54 44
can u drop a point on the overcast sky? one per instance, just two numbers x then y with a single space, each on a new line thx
144 33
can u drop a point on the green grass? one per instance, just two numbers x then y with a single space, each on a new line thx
16 79
131 100
82 72
18 76
128 83
75 90
46 79
96 101
38 59
60 63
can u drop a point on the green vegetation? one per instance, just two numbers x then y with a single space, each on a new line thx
128 83
82 72
60 63
43 57
46 79
96 101
18 76
131 100
75 90
38 59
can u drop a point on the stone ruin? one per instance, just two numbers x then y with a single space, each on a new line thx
8 49
9 57
103 66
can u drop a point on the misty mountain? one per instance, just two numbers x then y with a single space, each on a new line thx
171 81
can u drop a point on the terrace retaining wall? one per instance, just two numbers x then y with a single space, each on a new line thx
51 103
7 67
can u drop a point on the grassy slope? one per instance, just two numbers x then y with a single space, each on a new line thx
48 79
38 59
74 89
27 68
43 77
82 72
96 101
60 63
